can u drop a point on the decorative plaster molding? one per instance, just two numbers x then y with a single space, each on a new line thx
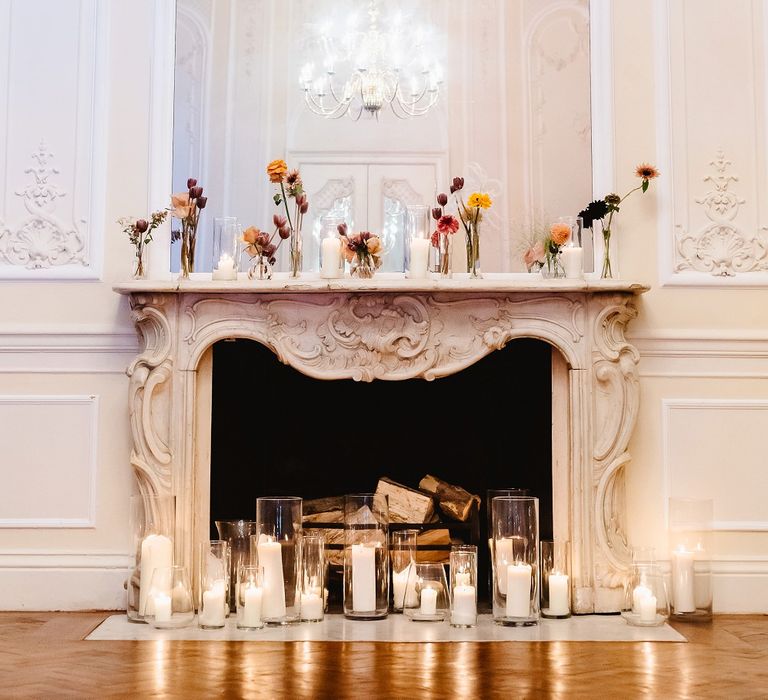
720 247
371 335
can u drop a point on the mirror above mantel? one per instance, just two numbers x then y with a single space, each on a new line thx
512 117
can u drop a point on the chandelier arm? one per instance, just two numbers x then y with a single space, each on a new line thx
322 111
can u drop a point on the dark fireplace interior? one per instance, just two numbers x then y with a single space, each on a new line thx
278 432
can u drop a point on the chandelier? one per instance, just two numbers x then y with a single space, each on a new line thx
364 71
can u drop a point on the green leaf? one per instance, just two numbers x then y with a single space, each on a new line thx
278 199
645 184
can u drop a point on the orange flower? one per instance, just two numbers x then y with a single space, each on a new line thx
559 233
180 205
374 245
646 172
277 170
250 235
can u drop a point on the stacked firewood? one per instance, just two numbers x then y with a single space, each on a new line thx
435 501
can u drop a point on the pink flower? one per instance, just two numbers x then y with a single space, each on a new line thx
534 254
435 239
447 224
180 205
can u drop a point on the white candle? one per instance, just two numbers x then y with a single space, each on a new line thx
250 615
162 603
505 555
225 270
463 578
558 594
648 609
363 578
399 583
271 560
464 610
156 551
213 610
311 606
572 259
639 593
419 252
428 601
682 581
518 590
331 252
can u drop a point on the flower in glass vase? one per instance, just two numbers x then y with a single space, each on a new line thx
600 208
363 252
471 216
291 187
261 247
186 207
559 235
139 233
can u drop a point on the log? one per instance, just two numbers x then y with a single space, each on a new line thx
433 537
406 505
323 505
454 502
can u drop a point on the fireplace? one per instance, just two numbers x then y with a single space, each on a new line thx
388 330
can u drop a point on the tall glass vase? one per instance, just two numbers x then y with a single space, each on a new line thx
188 243
139 271
445 247
606 272
238 534
473 251
296 252
366 556
515 560
276 550
690 542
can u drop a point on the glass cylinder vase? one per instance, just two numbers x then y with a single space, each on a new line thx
152 526
555 579
296 253
515 560
418 244
473 250
490 494
463 561
250 594
366 556
331 260
171 593
403 553
238 534
226 248
646 602
312 578
445 249
213 607
690 543
276 549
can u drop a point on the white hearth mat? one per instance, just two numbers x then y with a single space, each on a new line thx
397 628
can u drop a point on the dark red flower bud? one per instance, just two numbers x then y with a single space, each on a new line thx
437 212
458 182
279 221
191 183
301 199
141 225
304 208
442 199
342 229
195 192
453 189
202 201
269 249
284 232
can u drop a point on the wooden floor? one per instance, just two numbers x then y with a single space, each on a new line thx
43 655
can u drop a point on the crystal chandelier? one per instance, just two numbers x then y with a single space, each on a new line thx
364 71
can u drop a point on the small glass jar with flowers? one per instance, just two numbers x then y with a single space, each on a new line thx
139 233
363 252
261 247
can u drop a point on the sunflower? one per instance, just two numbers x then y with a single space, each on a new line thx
646 171
277 170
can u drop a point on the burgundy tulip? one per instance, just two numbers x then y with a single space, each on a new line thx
458 182
442 199
201 202
437 212
195 192
269 249
304 208
284 232
191 183
141 225
279 221
342 229
453 189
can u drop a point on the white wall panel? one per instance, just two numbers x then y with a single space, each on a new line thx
52 123
49 461
711 451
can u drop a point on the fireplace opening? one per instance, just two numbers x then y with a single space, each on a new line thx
275 431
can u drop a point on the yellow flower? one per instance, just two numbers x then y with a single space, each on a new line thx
180 205
277 170
479 199
559 233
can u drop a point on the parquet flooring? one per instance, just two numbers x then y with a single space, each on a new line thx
43 655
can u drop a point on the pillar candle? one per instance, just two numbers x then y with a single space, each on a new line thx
464 611
162 604
156 551
363 578
505 555
572 259
252 602
273 594
463 578
214 607
518 590
682 581
311 606
639 593
419 253
331 253
558 594
648 609
399 583
428 601
225 270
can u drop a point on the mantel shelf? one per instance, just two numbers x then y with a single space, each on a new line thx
382 282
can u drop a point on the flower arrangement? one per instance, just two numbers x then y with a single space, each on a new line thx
291 187
139 233
260 245
363 251
600 208
186 207
447 225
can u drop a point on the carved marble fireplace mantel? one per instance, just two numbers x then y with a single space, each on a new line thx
393 329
